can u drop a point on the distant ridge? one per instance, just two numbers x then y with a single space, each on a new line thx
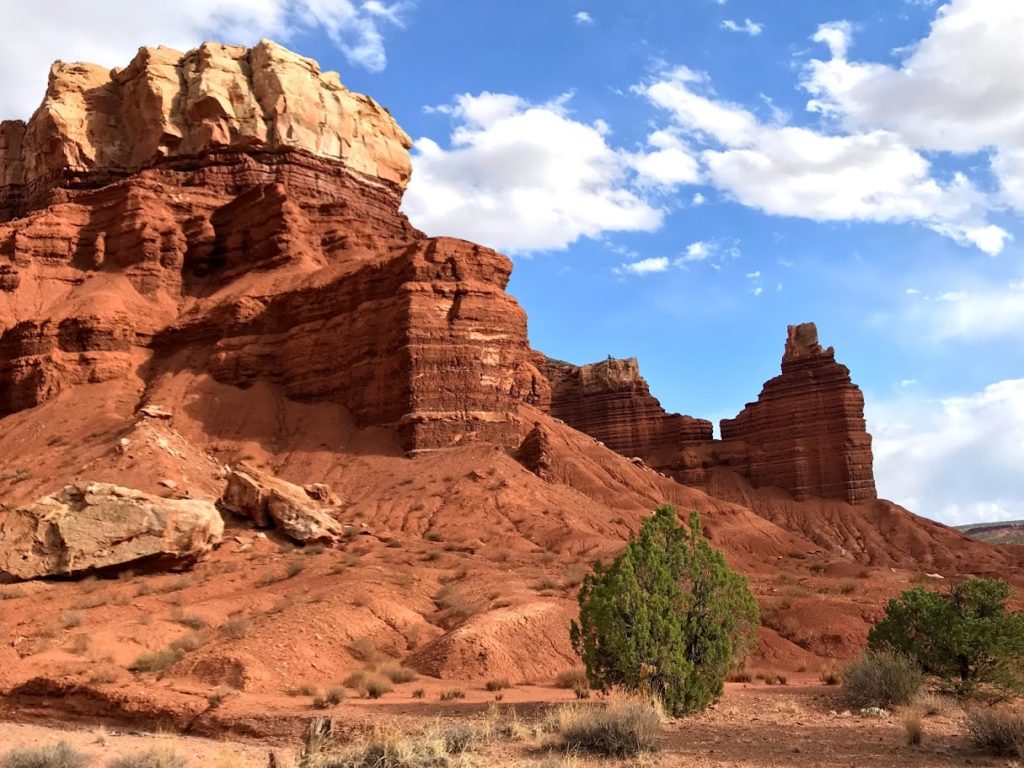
1005 532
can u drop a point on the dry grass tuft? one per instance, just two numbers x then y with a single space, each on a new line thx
830 674
622 728
397 673
151 758
386 747
913 725
498 684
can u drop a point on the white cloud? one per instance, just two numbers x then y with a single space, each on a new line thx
707 250
583 18
954 459
697 251
907 382
698 198
109 33
793 171
669 163
748 27
646 266
972 314
950 93
525 177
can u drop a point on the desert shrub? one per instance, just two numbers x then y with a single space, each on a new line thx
60 755
456 603
305 689
571 678
452 694
998 731
964 636
881 679
363 648
335 695
157 661
619 729
498 684
913 726
151 758
419 693
294 568
667 617
376 686
71 619
189 620
740 676
397 673
236 628
186 643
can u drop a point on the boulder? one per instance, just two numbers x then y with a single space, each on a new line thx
96 526
274 503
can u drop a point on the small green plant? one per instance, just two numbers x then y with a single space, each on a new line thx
60 755
881 679
667 618
964 636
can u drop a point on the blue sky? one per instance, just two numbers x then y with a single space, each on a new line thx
678 180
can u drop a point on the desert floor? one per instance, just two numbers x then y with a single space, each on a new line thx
753 726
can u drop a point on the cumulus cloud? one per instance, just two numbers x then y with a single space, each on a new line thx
109 33
870 175
583 18
747 27
950 93
669 163
954 459
526 177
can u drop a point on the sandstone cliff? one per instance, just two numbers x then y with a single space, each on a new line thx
169 104
806 432
236 213
611 401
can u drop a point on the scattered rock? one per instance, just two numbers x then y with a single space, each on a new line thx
94 526
274 503
155 412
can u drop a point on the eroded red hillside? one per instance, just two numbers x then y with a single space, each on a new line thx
203 263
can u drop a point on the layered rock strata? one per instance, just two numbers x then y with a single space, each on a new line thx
171 104
235 213
612 402
806 433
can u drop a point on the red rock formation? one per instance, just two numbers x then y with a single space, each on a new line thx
611 401
806 432
254 246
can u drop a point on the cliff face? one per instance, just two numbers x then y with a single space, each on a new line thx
806 432
235 213
169 104
611 401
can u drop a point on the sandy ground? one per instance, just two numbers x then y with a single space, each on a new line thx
753 726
